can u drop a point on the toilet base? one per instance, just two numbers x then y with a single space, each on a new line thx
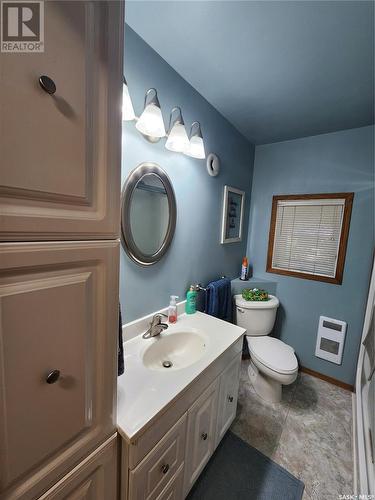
268 389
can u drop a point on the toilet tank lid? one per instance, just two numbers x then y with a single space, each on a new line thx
272 303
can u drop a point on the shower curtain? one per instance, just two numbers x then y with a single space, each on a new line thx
364 415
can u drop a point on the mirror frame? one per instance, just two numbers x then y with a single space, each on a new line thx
127 239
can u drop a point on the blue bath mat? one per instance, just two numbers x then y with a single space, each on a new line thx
237 471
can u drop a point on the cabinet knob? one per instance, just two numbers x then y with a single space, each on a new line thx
53 376
204 436
230 399
165 468
47 84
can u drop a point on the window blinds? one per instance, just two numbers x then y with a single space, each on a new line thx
307 235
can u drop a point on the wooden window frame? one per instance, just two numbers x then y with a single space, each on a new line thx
337 279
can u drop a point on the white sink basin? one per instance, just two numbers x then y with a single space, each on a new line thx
173 351
147 388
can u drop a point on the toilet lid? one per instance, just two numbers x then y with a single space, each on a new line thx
273 353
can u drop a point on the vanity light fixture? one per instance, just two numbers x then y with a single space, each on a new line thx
177 140
127 105
196 145
151 123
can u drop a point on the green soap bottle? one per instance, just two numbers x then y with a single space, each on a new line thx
191 301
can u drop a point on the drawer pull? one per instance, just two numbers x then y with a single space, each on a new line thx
204 436
47 84
53 376
230 399
165 468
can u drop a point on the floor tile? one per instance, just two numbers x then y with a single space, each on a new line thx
308 433
325 472
258 422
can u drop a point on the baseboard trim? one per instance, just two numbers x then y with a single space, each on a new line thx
331 380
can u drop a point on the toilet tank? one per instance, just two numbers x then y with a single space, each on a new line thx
257 317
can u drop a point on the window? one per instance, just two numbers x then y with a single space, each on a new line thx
308 236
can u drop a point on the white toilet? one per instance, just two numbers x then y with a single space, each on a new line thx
273 363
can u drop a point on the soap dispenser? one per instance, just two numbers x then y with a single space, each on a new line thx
172 309
191 301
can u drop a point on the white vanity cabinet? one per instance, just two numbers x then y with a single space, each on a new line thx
163 461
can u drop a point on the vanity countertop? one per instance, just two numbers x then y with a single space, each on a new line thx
143 393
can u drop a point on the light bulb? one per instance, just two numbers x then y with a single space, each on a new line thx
151 123
195 148
177 139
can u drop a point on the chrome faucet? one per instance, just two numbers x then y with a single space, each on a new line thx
156 326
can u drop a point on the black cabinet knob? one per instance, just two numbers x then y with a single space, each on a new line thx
204 436
230 399
47 84
53 376
165 468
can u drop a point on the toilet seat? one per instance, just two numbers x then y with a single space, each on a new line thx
274 354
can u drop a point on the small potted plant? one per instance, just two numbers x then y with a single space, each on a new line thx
255 294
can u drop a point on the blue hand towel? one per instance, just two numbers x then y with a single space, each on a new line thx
120 347
219 299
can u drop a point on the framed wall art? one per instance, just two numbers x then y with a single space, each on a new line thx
232 217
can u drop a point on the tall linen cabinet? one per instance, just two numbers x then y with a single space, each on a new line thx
59 253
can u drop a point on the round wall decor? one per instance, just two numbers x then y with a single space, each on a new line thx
213 164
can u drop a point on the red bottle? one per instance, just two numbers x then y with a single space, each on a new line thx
172 309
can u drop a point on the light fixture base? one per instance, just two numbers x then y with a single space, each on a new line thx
150 138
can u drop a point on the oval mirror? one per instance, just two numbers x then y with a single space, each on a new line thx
148 214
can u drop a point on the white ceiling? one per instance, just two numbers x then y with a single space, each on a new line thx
276 70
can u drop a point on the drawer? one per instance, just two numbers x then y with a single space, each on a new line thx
93 479
152 475
173 490
58 309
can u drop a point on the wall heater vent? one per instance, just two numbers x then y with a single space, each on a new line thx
330 340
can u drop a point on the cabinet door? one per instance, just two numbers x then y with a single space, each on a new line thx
58 310
60 154
200 438
94 479
228 396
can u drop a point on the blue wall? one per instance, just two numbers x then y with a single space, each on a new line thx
196 254
340 161
336 162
